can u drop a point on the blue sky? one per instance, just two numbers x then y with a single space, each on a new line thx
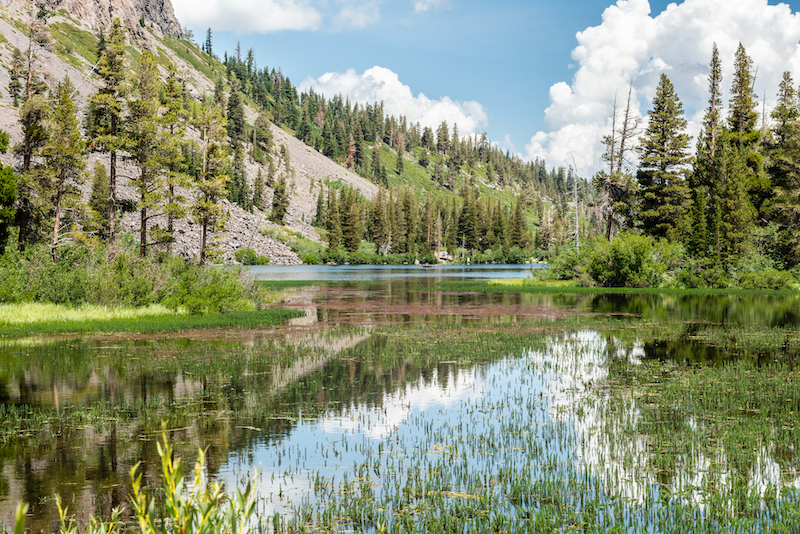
539 77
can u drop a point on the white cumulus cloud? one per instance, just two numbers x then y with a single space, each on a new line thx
632 48
380 84
243 16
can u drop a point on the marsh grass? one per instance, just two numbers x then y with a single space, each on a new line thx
38 312
147 322
535 285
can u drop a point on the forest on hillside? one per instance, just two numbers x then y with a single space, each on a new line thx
718 211
439 191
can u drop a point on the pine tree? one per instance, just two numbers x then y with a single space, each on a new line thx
399 162
16 73
499 229
8 195
98 201
351 221
516 232
784 205
467 222
171 146
738 213
258 190
319 215
709 172
207 45
143 145
745 165
280 201
106 107
33 118
742 116
785 113
64 154
663 164
380 230
236 119
210 186
376 162
333 223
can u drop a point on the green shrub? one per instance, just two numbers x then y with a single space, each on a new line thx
630 260
210 290
757 271
310 259
770 278
275 233
120 277
310 250
13 274
248 256
62 282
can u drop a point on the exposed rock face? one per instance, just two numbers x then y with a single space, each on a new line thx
97 14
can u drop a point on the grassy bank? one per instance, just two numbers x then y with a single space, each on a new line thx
41 318
536 285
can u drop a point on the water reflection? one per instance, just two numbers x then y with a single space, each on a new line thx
643 450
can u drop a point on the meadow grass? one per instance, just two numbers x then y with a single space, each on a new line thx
75 42
38 312
31 319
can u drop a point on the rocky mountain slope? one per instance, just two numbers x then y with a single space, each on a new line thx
97 14
309 169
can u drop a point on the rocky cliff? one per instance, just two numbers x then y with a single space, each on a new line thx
97 14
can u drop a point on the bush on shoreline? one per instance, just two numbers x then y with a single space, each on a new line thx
637 261
118 276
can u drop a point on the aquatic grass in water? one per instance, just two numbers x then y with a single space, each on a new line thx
548 442
36 312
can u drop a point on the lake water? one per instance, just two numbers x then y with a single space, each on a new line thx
351 273
424 400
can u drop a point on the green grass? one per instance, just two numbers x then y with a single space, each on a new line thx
37 312
74 41
153 323
189 52
533 285
519 283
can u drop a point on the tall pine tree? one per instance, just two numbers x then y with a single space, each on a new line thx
664 160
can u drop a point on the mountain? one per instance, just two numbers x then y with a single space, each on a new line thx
437 192
95 15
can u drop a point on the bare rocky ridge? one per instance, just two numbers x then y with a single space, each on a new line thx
97 14
308 168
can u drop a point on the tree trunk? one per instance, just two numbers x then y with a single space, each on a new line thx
57 223
112 186
202 258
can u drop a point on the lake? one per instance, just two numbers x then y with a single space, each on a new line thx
351 273
405 403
